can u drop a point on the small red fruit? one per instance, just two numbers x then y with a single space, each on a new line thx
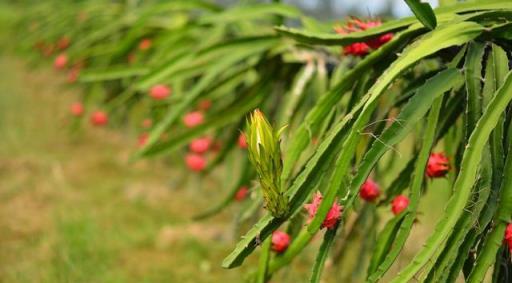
332 216
77 109
369 190
145 44
143 139
159 92
147 123
242 141
362 48
200 145
204 104
242 193
399 204
60 61
99 118
280 241
508 237
63 43
195 162
438 165
73 75
193 119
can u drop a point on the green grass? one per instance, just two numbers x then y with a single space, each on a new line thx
73 209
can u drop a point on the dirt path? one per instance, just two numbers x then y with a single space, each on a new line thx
73 210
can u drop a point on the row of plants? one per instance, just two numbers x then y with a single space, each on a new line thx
314 119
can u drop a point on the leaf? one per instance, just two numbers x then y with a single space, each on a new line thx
453 34
111 73
384 242
423 12
317 114
463 183
415 191
322 254
249 12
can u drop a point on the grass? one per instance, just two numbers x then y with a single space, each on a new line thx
74 210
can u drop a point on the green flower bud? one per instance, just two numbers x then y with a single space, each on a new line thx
265 155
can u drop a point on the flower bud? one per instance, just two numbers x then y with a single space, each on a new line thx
265 155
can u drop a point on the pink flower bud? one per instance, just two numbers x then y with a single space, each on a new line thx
369 190
332 216
193 119
60 61
200 145
399 204
242 193
438 165
159 92
242 141
77 109
280 241
195 162
99 118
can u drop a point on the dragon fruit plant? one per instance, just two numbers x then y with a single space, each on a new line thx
371 114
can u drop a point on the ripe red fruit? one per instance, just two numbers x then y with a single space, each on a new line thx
399 204
60 61
362 48
369 191
280 241
73 74
145 44
193 119
99 118
159 92
63 43
77 109
204 104
195 162
332 216
508 237
200 145
242 141
147 123
438 165
242 193
143 139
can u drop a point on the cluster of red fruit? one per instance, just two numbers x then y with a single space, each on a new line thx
362 48
47 49
438 166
